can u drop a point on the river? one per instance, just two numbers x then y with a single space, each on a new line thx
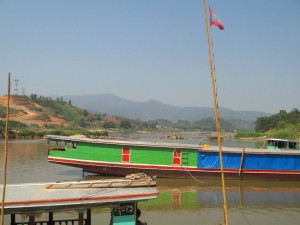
180 201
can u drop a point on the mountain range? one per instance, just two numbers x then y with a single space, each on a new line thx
152 110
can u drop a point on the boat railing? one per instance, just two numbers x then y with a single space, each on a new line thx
55 222
58 149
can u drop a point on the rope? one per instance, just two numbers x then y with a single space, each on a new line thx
202 182
136 176
5 154
245 218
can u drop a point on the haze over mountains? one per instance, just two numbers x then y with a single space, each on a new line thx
151 110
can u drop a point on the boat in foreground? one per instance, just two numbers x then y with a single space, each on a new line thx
120 195
118 158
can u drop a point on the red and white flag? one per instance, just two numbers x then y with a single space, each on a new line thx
214 21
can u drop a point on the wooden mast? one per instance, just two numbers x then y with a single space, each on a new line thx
5 152
216 110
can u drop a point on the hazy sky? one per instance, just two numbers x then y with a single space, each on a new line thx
154 49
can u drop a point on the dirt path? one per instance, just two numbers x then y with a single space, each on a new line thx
27 115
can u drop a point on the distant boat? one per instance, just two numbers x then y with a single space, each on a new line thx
275 143
118 158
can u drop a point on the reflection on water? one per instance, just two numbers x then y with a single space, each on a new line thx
181 201
27 162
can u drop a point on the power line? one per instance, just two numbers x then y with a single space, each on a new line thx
16 86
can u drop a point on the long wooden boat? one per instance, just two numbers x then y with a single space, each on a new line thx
45 197
119 195
115 157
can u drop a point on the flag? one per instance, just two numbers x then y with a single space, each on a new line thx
214 21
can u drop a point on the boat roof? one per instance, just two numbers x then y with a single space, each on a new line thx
47 197
253 150
173 145
119 142
277 139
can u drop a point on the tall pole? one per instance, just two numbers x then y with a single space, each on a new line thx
216 109
5 153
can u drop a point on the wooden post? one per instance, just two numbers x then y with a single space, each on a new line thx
242 160
31 220
50 222
5 154
80 218
13 219
88 217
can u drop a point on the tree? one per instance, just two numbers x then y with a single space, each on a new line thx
280 120
294 116
109 124
33 97
85 112
263 124
83 123
125 124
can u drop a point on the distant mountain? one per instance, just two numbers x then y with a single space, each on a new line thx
151 110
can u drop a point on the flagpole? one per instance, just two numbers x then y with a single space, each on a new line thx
213 60
216 109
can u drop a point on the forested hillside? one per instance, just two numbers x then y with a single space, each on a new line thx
281 120
281 125
38 115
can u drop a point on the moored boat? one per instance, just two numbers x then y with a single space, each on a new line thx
115 157
119 195
275 143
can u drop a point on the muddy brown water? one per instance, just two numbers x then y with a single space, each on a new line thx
181 201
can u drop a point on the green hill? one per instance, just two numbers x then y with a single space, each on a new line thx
39 115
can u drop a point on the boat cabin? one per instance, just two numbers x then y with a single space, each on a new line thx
282 144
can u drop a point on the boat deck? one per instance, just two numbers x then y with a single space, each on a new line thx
254 150
47 197
119 142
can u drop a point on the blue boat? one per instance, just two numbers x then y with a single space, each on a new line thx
119 158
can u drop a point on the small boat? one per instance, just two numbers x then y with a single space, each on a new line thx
285 144
120 195
118 158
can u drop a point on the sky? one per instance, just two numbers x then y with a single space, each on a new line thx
144 50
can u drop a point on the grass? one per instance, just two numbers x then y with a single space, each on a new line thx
282 134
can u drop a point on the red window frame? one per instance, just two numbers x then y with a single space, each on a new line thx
176 158
126 155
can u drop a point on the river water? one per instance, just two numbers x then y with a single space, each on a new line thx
180 201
